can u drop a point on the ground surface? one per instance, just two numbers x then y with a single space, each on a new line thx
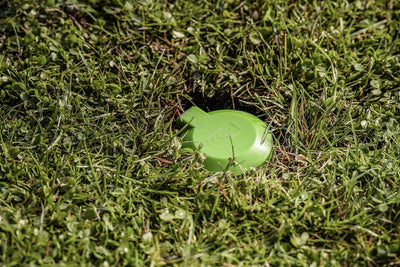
91 166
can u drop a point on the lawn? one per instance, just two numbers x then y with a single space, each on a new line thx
92 168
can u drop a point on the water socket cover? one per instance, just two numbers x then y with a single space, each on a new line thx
226 136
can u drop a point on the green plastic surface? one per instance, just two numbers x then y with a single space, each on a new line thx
224 135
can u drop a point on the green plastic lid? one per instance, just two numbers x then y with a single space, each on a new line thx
224 135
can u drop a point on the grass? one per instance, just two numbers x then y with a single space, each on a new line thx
91 166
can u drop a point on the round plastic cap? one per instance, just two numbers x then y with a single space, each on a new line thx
227 135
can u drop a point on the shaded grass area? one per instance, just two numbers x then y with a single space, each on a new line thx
91 166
